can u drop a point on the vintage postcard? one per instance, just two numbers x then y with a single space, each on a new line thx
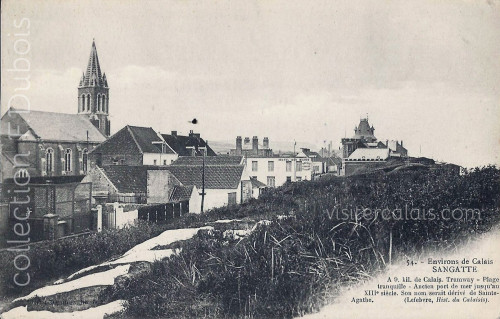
250 159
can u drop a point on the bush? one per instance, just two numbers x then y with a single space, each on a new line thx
56 259
293 266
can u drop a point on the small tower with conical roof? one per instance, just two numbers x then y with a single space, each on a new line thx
93 94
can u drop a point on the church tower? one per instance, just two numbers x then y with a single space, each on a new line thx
93 94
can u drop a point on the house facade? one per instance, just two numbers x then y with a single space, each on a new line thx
134 145
146 184
276 170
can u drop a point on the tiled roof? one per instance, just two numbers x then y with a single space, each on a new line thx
128 179
333 160
133 140
181 193
216 177
51 126
182 144
133 179
369 154
147 138
209 160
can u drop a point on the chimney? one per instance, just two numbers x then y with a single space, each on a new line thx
239 145
255 143
174 133
266 143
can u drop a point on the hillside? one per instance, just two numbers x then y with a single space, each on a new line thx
294 250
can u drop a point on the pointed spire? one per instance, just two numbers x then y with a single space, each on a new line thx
93 75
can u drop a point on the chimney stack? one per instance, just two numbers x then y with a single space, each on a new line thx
239 145
266 143
255 143
174 133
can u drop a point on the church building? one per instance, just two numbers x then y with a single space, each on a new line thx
39 143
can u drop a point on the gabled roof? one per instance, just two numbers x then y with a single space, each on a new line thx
333 160
133 140
209 160
183 145
52 126
369 154
181 193
148 140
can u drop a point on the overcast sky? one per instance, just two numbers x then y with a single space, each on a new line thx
426 72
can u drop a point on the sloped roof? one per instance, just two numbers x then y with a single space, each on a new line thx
181 193
216 177
52 126
133 179
128 179
370 154
209 160
182 144
256 183
133 140
363 130
147 138
333 160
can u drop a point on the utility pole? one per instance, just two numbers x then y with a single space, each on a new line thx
203 178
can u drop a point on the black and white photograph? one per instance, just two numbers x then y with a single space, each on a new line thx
250 159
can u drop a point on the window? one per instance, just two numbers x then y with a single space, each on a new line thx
154 162
299 167
85 157
270 166
288 166
270 181
255 166
288 179
98 102
67 160
122 161
231 198
49 161
83 103
104 106
164 162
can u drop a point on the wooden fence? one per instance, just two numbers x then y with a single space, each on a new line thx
163 213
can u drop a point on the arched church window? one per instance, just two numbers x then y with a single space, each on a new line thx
83 102
105 106
85 157
98 102
49 161
88 102
67 160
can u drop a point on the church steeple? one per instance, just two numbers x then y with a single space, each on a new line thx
93 93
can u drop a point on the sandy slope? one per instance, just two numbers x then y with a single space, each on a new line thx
394 307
